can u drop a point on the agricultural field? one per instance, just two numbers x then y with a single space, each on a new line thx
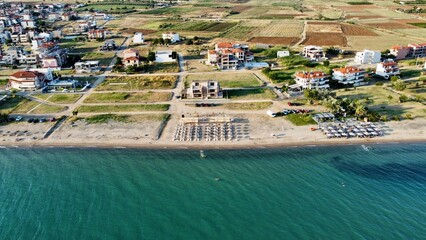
275 40
325 39
163 67
381 42
123 97
391 25
226 80
19 105
137 83
281 29
212 26
353 30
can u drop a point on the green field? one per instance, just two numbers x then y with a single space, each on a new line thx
250 94
137 83
300 119
119 97
124 108
21 105
227 80
104 58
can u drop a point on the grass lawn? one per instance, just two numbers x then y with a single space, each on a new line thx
11 103
300 119
422 25
125 108
128 97
61 98
384 102
44 109
3 83
104 118
410 73
248 106
104 58
250 94
137 83
227 80
172 67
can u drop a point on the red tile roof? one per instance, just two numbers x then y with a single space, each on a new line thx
26 74
131 59
315 74
389 64
224 45
349 69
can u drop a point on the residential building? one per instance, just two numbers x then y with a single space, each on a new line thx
87 66
229 55
50 62
14 37
417 50
367 57
314 53
23 38
29 59
387 69
131 58
165 56
28 24
109 45
172 36
97 33
349 75
312 80
204 90
400 52
138 38
26 80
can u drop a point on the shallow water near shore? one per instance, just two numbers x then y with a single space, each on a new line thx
341 192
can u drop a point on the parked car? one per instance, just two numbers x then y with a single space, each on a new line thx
18 118
30 120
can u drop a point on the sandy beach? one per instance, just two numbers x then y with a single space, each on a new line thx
257 131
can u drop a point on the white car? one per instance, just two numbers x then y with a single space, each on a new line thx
18 118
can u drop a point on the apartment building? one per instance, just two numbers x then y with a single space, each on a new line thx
368 57
387 69
312 80
204 90
349 75
314 53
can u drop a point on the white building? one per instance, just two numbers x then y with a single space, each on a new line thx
314 53
164 56
173 36
87 66
281 54
368 57
138 38
387 69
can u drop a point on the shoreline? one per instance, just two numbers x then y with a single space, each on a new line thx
210 147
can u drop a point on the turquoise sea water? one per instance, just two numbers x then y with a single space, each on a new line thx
289 193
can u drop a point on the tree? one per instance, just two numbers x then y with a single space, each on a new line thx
167 41
399 85
326 63
360 109
394 78
161 41
196 38
151 56
189 42
155 41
